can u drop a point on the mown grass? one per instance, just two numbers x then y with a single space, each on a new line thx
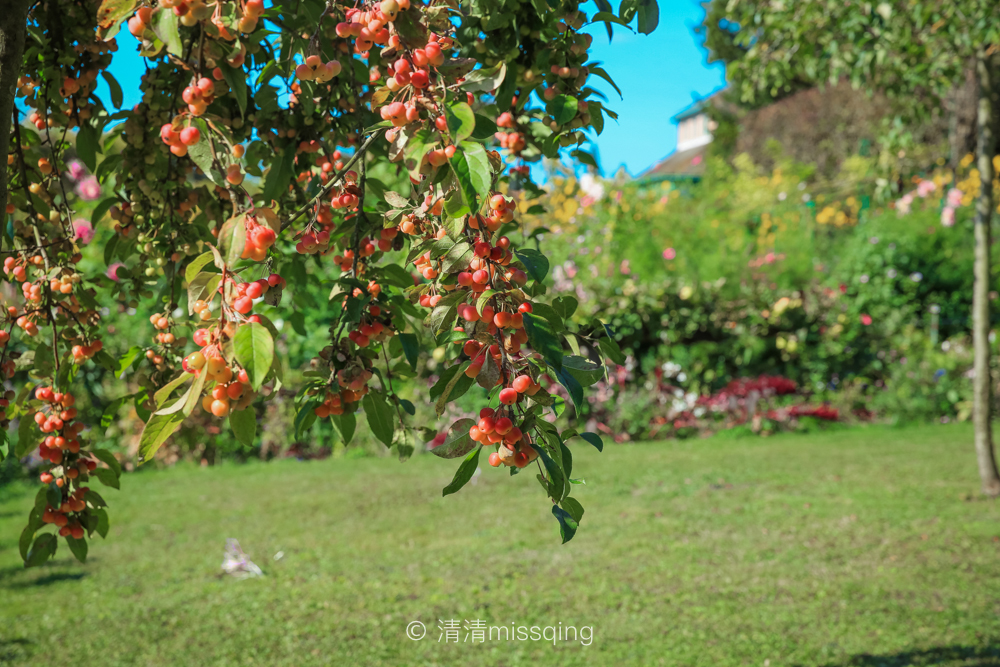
864 547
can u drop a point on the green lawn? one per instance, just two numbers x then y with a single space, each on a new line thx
864 547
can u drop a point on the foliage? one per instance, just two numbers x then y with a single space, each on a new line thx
857 300
270 141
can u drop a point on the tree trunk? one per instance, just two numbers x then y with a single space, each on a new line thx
982 383
13 22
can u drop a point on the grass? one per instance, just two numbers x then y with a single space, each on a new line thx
866 547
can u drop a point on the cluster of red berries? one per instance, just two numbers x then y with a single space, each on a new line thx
83 352
259 239
368 27
179 139
55 417
16 267
60 516
371 329
314 69
246 293
496 428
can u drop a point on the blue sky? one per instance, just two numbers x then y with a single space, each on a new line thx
659 74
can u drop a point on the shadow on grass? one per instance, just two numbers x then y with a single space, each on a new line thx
9 574
14 649
956 655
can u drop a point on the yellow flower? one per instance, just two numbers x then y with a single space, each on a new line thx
686 292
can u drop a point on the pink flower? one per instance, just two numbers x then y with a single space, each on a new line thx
924 188
113 271
866 319
83 231
625 269
696 160
954 198
904 203
88 189
669 254
76 170
948 216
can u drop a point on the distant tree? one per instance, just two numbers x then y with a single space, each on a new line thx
913 52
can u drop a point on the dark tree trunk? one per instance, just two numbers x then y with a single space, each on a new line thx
982 384
13 22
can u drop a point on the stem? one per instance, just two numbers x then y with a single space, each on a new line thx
333 182
13 26
981 383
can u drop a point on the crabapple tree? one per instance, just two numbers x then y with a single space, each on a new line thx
378 148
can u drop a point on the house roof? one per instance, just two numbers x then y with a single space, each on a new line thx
696 107
681 165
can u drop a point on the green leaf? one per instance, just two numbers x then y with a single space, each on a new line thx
235 241
196 265
471 167
111 410
164 392
380 416
599 71
244 425
535 262
543 340
416 148
279 176
156 432
607 17
111 13
78 547
236 78
572 385
103 523
110 248
133 355
411 348
254 349
346 424
567 524
88 141
585 158
165 25
593 439
102 209
464 472
484 299
584 370
28 436
305 418
649 16
461 121
562 108
298 322
201 154
444 379
556 483
107 457
573 506
565 306
485 79
485 128
609 346
108 477
113 88
458 443
44 547
456 387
